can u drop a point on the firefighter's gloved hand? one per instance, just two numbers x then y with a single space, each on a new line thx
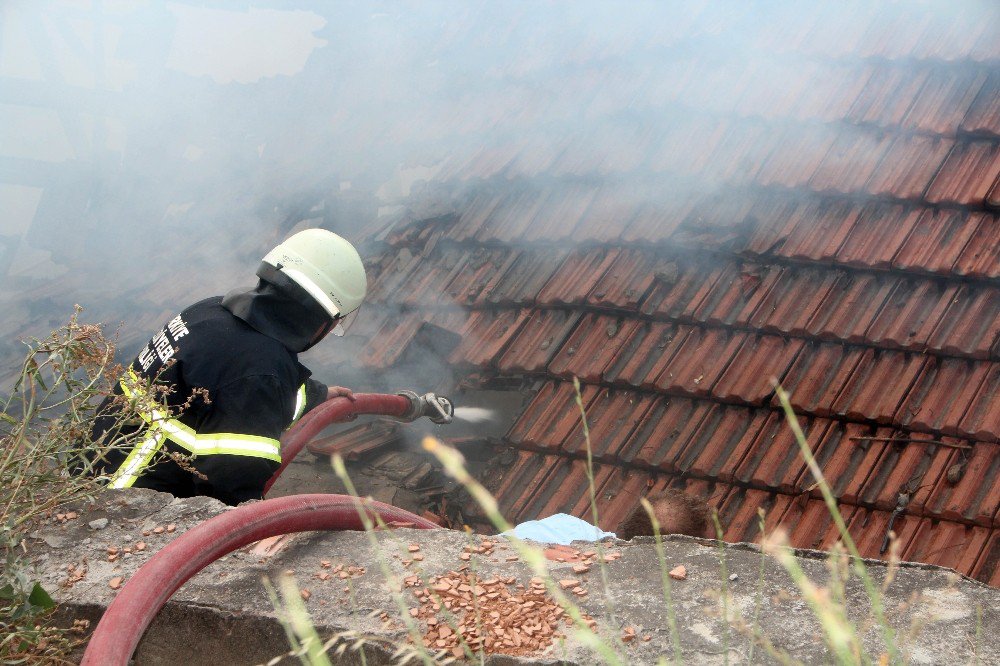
339 392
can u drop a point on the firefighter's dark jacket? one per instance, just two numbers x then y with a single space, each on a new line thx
229 443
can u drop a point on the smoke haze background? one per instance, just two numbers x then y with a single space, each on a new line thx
152 152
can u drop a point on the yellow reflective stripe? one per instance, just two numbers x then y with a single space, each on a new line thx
300 403
214 443
136 461
224 442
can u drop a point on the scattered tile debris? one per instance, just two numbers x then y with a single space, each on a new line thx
498 616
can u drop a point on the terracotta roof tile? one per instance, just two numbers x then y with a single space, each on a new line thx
810 524
654 223
795 157
943 102
817 230
993 196
982 420
955 38
663 432
850 162
981 255
550 417
909 166
483 267
538 341
620 494
832 91
516 213
391 274
723 437
749 375
781 309
737 293
850 306
528 471
769 223
738 513
772 517
679 286
878 385
423 285
774 461
937 240
913 468
911 313
592 347
868 528
879 233
838 32
486 334
976 496
522 279
579 273
888 95
986 48
947 544
847 463
942 394
700 361
967 174
535 155
475 213
971 324
687 143
355 442
626 281
818 375
388 345
987 568
984 115
741 150
559 217
565 489
894 36
609 212
719 223
644 355
612 416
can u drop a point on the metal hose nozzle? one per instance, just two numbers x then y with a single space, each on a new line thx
437 408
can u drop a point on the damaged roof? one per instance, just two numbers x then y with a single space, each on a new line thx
834 228
673 205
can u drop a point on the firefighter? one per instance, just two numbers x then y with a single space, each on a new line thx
221 381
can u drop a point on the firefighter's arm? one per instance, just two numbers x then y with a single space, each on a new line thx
245 420
317 393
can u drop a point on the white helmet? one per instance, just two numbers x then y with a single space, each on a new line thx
326 265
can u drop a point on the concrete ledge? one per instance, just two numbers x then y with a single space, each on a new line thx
224 615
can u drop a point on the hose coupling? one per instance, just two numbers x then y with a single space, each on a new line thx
437 408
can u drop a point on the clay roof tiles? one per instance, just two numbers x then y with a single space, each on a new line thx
818 210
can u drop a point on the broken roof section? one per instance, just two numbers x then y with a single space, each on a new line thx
833 227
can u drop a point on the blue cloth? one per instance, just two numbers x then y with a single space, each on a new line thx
560 528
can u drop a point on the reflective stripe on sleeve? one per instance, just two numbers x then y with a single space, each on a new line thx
136 461
300 403
203 444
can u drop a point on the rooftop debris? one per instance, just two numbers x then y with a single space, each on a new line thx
496 615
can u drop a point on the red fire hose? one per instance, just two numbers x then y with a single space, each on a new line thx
333 411
132 611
